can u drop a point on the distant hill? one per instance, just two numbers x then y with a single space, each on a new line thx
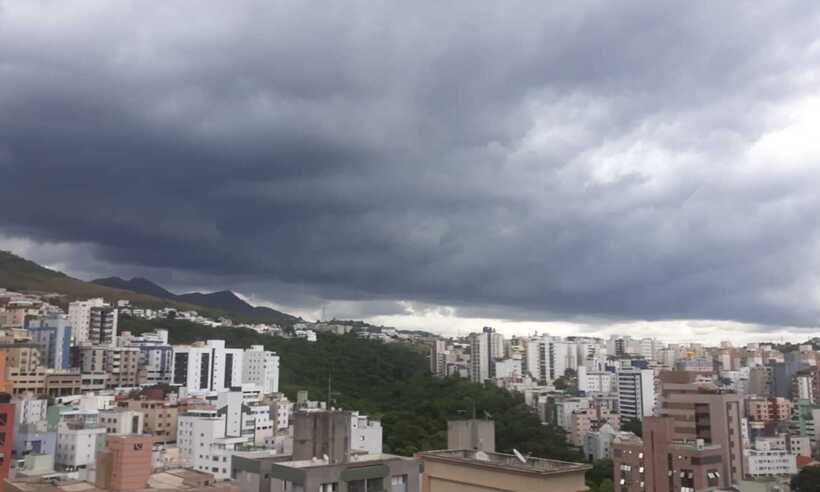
23 275
223 300
19 274
137 284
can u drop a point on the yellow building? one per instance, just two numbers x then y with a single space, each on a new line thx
478 471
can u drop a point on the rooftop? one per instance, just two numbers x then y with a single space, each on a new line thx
356 458
181 479
508 462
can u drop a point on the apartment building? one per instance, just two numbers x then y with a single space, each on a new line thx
122 366
772 409
102 327
204 445
7 429
480 471
53 334
78 445
208 366
366 473
590 419
122 421
707 413
661 463
160 417
261 367
482 355
125 463
636 393
156 357
79 318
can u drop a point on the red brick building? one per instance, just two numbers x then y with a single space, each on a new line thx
6 436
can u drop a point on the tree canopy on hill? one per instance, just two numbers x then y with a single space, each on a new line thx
388 381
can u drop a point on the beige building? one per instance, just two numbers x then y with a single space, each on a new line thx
761 409
21 357
160 417
182 480
591 419
42 381
122 363
478 471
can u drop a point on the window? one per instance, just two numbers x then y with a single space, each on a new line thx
398 483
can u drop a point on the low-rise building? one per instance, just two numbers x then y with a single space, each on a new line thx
160 417
598 444
175 480
455 470
77 446
125 463
372 472
590 419
120 421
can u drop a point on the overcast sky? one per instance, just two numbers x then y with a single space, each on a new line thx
645 167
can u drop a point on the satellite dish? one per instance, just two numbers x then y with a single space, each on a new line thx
520 457
482 456
326 458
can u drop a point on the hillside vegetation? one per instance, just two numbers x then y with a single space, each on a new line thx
389 381
19 274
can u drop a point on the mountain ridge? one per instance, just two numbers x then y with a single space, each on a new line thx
20 274
225 300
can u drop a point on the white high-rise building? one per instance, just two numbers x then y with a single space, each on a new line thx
482 356
497 349
207 367
79 317
261 367
530 358
636 393
595 382
559 353
438 358
649 348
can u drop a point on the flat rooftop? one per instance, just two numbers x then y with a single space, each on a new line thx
181 479
503 461
362 458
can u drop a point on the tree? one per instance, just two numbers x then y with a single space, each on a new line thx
606 486
601 470
808 480
390 381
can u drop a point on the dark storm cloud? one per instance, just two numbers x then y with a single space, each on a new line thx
586 159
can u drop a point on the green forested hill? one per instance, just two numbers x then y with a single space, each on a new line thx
19 274
389 381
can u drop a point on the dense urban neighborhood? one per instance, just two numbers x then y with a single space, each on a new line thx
122 395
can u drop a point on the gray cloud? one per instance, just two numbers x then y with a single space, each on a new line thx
632 161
